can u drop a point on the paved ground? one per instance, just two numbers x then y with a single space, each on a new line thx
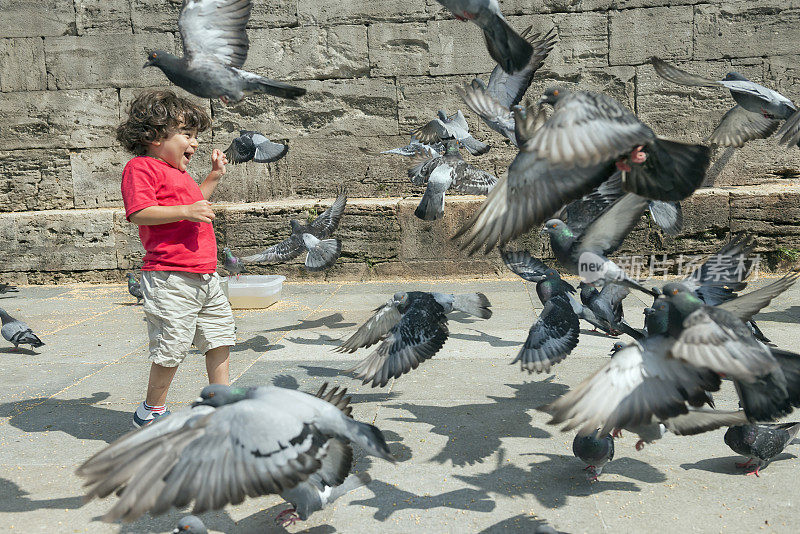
474 454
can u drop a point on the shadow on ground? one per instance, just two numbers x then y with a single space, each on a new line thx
15 499
483 337
77 417
334 320
727 465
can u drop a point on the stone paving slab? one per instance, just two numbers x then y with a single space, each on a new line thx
474 453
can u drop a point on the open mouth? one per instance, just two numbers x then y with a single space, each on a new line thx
188 155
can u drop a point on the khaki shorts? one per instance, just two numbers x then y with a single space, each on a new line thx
184 309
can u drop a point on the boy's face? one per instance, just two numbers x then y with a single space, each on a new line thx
176 149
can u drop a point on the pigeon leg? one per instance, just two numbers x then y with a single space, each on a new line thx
287 517
744 464
622 165
592 477
224 100
639 445
638 155
617 433
754 472
588 467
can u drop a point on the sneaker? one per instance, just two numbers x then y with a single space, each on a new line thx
138 422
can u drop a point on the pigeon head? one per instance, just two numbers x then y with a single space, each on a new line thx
190 525
683 298
552 95
400 299
4 316
131 277
734 76
451 148
161 59
557 229
587 290
228 254
657 318
442 115
217 395
618 346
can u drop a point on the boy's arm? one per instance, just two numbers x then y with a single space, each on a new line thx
218 162
200 211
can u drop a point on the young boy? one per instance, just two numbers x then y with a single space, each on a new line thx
183 301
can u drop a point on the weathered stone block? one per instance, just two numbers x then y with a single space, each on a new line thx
782 73
582 39
103 16
419 98
127 245
58 240
255 182
127 95
746 28
35 180
155 15
456 47
362 107
524 7
638 34
96 175
398 49
759 161
21 18
22 65
360 11
771 212
309 52
104 60
272 13
58 119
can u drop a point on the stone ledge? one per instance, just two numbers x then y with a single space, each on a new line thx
382 238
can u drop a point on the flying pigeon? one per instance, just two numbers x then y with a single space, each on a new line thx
254 146
315 492
17 332
507 48
233 443
493 103
191 524
215 47
455 127
411 328
7 288
415 147
555 333
587 138
134 287
756 115
606 305
314 238
594 451
442 173
697 421
235 266
760 443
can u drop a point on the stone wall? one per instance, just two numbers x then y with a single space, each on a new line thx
374 70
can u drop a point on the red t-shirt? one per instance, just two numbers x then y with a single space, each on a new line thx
178 246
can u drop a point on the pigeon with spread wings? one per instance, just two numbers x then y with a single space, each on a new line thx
443 128
253 146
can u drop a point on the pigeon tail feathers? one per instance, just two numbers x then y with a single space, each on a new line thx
474 304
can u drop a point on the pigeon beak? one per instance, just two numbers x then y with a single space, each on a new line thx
197 401
541 100
543 231
648 311
148 64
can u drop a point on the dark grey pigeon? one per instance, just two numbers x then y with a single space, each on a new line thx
757 113
253 146
415 148
215 47
493 103
134 287
411 327
315 492
235 266
506 47
233 443
555 333
606 305
442 172
190 524
323 251
455 127
760 443
639 384
7 288
587 138
17 332
594 451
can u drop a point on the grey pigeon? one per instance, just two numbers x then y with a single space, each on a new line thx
760 443
315 492
415 148
411 328
234 265
555 333
323 251
443 172
587 138
191 524
506 47
756 115
134 287
637 385
606 305
455 127
696 421
215 47
493 103
233 443
17 332
7 288
594 451
253 146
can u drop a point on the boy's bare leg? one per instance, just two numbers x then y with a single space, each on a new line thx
158 385
217 365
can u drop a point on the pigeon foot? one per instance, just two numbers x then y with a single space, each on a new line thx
638 155
588 467
639 445
224 100
754 472
617 433
287 517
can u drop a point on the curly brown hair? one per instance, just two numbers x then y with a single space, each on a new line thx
155 115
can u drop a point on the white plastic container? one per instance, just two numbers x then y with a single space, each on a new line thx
253 290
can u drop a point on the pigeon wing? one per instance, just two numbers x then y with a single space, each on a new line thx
681 77
700 420
382 321
267 151
745 306
425 161
739 126
215 30
470 180
432 132
493 113
286 250
328 221
608 231
241 150
551 338
579 214
524 265
508 89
